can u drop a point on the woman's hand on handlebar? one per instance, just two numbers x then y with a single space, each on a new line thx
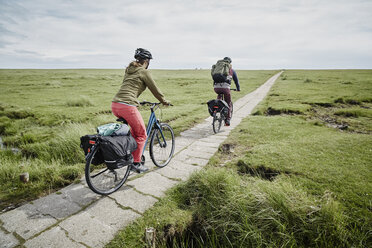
167 103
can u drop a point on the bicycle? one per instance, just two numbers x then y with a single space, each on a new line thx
218 108
104 180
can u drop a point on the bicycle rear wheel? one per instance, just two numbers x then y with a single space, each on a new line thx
102 180
162 145
217 121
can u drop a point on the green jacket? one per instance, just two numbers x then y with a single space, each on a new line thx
136 79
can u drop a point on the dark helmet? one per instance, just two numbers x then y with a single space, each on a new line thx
142 53
227 59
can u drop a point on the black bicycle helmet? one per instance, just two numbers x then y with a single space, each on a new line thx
227 59
142 53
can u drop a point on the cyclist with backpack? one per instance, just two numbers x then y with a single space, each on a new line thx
136 79
222 74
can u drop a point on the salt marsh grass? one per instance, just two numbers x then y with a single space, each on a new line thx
299 174
43 113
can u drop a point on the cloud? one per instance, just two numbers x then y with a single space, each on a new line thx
186 34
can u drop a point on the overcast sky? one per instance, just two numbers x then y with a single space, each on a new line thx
256 34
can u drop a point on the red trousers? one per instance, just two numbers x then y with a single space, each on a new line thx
136 123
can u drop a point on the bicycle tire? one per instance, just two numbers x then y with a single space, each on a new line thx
217 121
102 180
160 154
232 110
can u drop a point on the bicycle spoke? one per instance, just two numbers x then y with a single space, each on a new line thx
102 180
99 173
161 141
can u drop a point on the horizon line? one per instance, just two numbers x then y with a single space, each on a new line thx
193 69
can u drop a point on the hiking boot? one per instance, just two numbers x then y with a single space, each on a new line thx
139 168
227 123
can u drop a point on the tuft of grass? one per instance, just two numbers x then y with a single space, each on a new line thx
287 111
223 210
18 113
5 123
65 147
81 102
354 113
340 100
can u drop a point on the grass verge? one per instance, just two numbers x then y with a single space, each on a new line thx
296 178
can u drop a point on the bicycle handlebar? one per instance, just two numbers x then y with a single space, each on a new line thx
149 103
152 103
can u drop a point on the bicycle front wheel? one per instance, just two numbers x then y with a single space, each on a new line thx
103 180
217 121
162 145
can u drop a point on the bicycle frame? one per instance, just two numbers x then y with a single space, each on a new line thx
153 123
223 96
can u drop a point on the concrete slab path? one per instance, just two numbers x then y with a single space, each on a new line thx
77 217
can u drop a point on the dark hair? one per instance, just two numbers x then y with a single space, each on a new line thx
141 61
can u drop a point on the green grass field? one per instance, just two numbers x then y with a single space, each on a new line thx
298 174
43 113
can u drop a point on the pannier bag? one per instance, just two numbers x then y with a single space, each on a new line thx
117 150
220 71
113 129
218 105
86 142
114 150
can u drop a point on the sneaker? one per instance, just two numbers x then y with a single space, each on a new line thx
227 123
139 168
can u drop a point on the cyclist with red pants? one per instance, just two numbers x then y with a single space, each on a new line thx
224 88
136 79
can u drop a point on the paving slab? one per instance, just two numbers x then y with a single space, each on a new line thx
192 152
26 221
7 240
57 205
181 143
180 160
213 139
202 148
178 172
128 197
205 144
55 237
198 133
224 132
152 184
88 230
79 194
109 213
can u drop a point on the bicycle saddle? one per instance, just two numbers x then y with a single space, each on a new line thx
122 120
